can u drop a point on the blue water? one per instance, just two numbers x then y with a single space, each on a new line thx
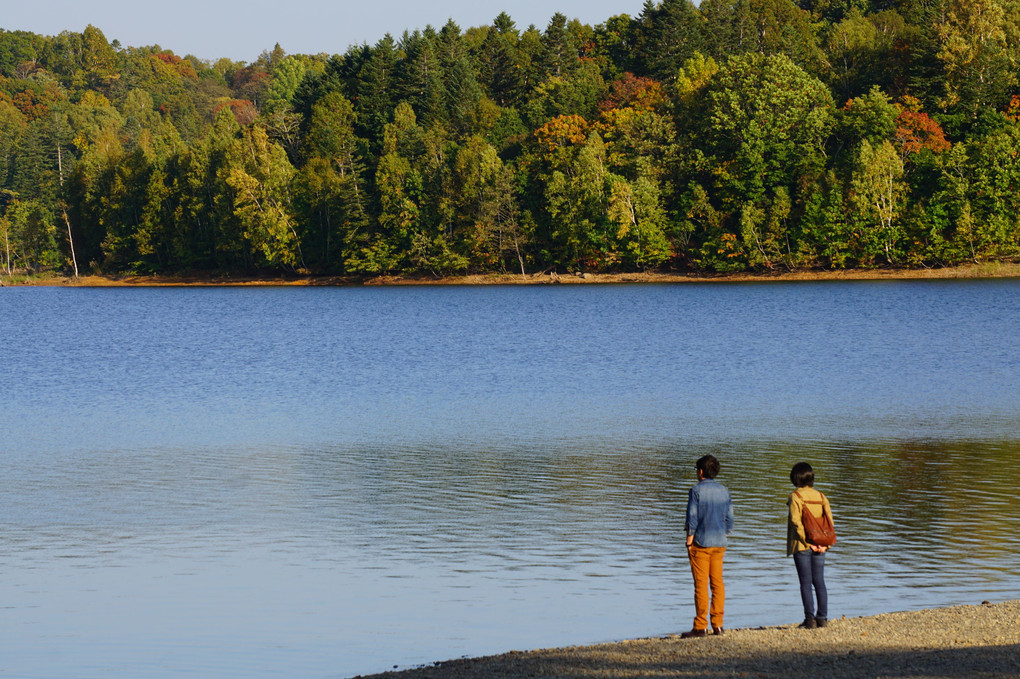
322 482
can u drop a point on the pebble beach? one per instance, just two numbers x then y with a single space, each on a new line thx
955 642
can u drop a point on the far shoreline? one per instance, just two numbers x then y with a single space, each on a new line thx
206 279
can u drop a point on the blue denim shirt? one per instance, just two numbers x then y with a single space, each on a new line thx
709 513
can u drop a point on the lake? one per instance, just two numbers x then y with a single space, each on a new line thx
324 482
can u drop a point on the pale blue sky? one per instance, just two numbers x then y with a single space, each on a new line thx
210 29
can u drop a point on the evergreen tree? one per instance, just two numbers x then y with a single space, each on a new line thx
559 51
670 34
376 91
499 73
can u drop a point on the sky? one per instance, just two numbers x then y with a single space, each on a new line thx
241 31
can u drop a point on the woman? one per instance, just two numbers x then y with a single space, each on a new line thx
808 558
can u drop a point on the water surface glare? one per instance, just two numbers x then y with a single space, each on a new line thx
324 482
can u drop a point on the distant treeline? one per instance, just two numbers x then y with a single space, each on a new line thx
733 135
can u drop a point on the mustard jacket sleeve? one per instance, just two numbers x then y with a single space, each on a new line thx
796 539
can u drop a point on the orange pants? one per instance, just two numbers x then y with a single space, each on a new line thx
706 567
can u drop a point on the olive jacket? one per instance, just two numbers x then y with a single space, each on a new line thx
796 540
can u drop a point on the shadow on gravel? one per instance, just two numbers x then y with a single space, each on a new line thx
984 662
969 662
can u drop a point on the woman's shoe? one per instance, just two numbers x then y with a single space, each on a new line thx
821 622
809 623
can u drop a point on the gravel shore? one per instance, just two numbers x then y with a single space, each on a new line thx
955 642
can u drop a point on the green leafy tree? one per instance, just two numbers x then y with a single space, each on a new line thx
18 49
12 126
871 117
850 45
977 56
286 78
260 174
979 192
332 183
618 39
765 130
877 193
486 208
30 238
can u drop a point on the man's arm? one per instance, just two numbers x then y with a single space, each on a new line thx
691 524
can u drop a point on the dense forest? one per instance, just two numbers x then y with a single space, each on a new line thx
726 136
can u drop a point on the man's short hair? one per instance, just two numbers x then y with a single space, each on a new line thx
708 465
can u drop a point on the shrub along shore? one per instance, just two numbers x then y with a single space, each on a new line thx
959 641
984 270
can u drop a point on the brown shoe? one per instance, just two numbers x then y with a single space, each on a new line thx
717 630
809 623
694 633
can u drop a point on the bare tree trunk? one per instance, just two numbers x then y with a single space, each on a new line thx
7 244
70 241
520 259
63 209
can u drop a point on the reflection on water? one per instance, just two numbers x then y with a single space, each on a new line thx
323 483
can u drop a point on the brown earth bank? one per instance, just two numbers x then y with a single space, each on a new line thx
951 643
987 270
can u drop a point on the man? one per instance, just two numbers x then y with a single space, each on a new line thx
709 520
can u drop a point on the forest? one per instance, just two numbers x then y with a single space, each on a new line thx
731 135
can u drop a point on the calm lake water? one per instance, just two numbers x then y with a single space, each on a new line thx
323 482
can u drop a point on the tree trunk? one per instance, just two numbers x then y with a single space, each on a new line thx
63 209
70 241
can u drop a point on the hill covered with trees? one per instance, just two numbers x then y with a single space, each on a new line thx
736 135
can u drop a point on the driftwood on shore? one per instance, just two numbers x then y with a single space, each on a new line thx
952 643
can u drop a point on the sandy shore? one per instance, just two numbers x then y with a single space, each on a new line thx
956 642
988 270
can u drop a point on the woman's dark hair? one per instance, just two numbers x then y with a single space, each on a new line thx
708 465
802 475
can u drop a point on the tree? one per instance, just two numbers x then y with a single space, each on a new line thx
260 175
670 33
499 71
286 78
559 51
332 180
12 126
916 132
871 117
877 192
578 95
850 45
422 77
978 60
576 202
376 91
980 190
30 238
487 206
770 27
635 209
763 136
